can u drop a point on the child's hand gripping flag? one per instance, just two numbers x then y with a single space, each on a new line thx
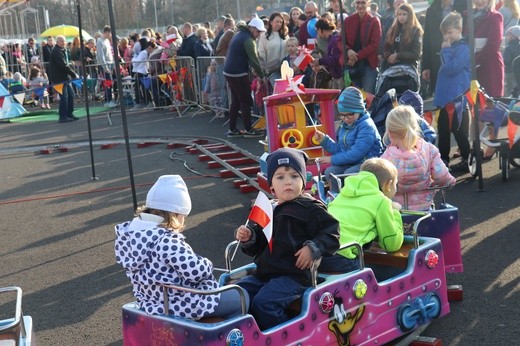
262 214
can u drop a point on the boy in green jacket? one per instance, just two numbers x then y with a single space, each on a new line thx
365 212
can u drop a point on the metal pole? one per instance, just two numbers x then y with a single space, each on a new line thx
85 91
476 107
155 10
122 104
238 10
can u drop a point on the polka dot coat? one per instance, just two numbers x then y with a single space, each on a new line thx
152 255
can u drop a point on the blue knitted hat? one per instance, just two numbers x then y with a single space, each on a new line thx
288 157
351 101
412 98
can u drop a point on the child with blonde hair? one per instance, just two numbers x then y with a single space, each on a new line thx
366 213
153 251
418 162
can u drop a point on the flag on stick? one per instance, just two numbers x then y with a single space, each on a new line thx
262 214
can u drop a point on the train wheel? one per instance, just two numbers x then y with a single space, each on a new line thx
406 317
432 304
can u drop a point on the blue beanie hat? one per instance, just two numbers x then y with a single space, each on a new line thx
351 101
288 157
412 98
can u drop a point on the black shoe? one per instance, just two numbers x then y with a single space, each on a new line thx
462 167
66 120
73 117
254 133
235 133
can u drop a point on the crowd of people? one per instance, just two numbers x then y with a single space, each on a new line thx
364 48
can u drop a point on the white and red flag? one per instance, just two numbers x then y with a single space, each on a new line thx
262 214
304 58
171 38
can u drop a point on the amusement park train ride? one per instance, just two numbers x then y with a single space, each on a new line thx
391 299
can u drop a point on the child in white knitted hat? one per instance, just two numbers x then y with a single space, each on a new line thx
153 251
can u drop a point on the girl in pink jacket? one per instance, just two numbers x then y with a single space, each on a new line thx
418 162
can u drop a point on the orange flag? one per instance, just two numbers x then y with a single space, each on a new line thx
59 88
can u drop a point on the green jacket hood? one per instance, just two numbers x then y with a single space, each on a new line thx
362 184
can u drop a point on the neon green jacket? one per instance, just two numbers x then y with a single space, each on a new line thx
365 214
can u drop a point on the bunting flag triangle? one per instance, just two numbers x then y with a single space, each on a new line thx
2 101
58 88
162 77
19 97
473 90
107 83
173 63
147 82
39 92
511 132
450 109
77 82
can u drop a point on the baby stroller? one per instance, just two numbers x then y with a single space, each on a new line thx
380 107
399 77
508 148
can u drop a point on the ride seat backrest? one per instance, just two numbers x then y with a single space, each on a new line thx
398 259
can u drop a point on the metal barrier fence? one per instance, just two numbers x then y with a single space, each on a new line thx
177 84
171 83
213 88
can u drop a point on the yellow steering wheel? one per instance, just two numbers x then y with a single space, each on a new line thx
292 138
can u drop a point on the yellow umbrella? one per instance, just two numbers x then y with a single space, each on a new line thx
69 31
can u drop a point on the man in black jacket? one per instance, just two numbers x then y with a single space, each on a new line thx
188 43
60 73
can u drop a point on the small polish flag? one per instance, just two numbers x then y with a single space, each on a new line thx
311 43
262 214
302 60
171 38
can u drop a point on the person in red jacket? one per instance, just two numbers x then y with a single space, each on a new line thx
363 34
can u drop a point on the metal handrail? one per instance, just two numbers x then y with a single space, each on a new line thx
204 293
432 188
424 215
18 309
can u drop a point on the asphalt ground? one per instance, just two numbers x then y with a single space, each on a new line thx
57 226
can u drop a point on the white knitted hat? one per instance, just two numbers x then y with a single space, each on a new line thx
169 193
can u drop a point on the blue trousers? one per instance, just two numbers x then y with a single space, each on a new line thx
269 299
229 305
338 263
66 106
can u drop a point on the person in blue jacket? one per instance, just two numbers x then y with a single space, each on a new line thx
357 137
453 80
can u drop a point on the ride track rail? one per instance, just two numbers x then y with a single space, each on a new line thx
215 151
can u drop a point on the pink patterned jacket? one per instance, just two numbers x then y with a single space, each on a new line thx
418 170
